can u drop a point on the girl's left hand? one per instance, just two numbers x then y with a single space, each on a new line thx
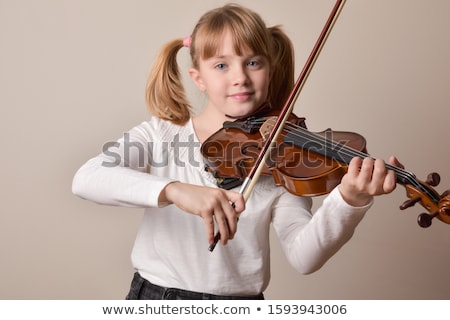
367 178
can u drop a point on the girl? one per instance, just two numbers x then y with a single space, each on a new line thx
241 65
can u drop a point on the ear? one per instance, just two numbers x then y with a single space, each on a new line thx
196 77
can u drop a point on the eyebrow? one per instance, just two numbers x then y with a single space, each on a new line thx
252 55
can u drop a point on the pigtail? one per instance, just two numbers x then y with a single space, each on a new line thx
165 94
283 68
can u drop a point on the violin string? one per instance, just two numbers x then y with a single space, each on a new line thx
298 131
301 132
334 145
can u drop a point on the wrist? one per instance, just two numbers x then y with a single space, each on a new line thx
167 193
354 199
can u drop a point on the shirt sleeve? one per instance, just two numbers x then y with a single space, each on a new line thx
309 240
121 174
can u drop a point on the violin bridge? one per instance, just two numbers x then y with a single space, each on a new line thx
267 127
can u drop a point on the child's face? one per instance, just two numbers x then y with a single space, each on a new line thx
236 85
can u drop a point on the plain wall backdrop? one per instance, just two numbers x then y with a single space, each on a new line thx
72 77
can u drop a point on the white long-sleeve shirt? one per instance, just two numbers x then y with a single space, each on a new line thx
171 248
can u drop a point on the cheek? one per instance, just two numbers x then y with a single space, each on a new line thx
207 85
264 84
211 87
265 80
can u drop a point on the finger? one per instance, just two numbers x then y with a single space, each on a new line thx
237 199
390 182
209 225
222 224
394 161
379 175
366 172
354 166
383 180
231 218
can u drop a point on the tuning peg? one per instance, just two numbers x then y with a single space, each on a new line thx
424 219
433 179
409 203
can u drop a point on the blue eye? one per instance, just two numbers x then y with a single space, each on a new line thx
254 63
220 66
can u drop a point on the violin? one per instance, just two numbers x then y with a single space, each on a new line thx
307 163
277 143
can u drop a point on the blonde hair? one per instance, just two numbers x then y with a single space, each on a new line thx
165 94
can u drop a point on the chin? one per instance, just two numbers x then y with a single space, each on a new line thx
238 115
242 112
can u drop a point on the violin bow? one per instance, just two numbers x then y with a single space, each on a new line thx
254 174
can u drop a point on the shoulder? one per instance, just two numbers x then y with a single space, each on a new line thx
163 130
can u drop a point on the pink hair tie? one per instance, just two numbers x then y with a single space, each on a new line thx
187 41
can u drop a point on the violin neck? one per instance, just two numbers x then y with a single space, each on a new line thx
324 144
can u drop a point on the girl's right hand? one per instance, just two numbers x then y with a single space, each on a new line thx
208 203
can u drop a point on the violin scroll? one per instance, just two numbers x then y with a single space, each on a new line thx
424 219
438 206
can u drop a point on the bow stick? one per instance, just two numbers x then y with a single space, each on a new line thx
254 174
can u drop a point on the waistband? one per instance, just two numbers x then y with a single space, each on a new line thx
142 289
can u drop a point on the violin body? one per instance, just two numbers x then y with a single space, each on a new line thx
307 169
296 163
231 151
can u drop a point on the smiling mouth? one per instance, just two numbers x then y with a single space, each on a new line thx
241 96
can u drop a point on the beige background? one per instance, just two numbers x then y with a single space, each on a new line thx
72 76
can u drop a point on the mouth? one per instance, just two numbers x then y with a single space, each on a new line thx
241 96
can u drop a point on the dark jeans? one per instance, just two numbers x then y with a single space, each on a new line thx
142 289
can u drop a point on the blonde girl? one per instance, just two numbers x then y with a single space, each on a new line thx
241 66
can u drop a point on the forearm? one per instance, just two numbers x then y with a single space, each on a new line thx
310 242
122 186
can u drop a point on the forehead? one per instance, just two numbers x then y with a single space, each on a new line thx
227 45
228 41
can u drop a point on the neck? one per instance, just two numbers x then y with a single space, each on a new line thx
207 122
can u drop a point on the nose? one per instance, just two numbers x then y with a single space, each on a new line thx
239 76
